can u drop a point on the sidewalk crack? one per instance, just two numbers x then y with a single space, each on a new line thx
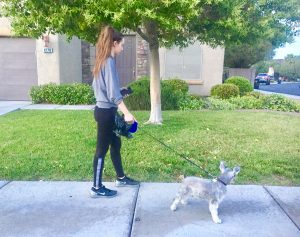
5 184
278 203
134 210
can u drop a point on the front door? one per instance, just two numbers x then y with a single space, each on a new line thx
126 61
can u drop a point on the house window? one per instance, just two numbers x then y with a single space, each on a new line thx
185 64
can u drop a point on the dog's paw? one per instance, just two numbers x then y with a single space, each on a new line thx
173 208
184 202
217 221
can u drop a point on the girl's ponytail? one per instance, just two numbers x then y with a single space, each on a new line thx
104 44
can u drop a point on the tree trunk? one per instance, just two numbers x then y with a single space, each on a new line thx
152 36
155 94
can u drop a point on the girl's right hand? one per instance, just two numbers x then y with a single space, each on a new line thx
129 118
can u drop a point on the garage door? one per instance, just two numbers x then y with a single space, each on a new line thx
18 72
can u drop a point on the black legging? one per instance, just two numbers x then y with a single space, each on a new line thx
105 137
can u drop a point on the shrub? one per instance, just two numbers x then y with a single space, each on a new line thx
242 83
218 104
140 98
76 93
280 103
246 102
255 94
272 102
172 92
224 91
36 94
176 85
191 102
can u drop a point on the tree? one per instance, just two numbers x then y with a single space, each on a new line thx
162 23
291 67
245 54
288 67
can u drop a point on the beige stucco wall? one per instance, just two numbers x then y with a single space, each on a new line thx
61 66
48 63
70 60
199 65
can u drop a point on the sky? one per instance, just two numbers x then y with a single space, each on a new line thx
293 48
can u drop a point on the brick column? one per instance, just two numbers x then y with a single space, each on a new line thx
142 58
87 76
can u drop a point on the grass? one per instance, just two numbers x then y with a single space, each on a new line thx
59 145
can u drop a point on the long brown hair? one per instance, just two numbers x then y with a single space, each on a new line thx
107 37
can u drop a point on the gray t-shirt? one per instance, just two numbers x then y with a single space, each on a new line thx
107 86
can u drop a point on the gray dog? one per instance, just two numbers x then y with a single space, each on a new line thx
211 190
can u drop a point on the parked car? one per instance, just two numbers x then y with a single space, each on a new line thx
263 78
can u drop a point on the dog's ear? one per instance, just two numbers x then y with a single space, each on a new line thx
236 169
222 166
181 177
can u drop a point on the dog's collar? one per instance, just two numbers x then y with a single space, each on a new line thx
221 181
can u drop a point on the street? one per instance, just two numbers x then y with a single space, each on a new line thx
285 88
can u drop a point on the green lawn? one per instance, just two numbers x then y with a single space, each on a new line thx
59 145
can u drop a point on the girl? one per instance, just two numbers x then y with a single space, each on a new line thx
109 99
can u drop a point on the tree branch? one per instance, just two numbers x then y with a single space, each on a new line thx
142 34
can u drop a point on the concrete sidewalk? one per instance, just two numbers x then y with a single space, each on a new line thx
64 209
10 106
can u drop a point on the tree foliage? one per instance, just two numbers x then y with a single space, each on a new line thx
283 18
173 22
245 55
159 22
288 67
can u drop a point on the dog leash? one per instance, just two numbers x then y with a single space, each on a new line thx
180 155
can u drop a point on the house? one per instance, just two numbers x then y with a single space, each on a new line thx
28 62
